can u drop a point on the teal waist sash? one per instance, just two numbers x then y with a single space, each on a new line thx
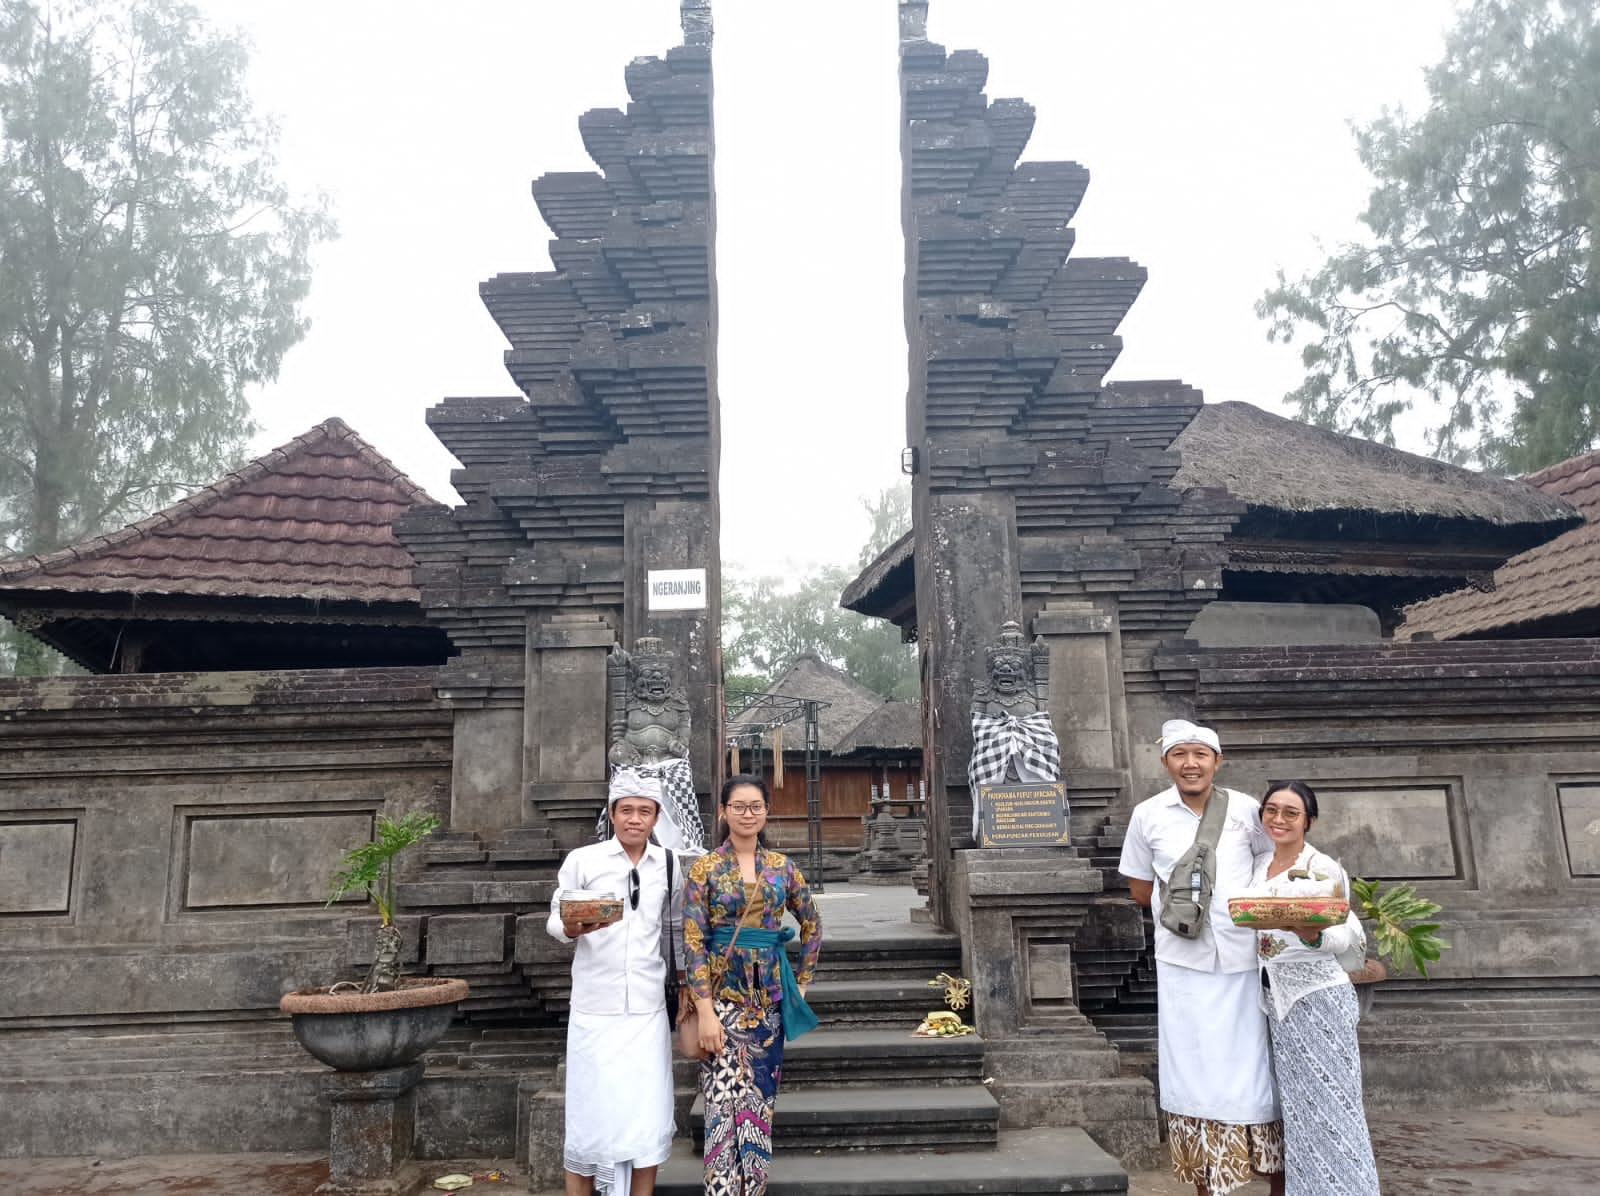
798 1018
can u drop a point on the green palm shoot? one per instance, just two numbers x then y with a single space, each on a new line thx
370 867
1406 924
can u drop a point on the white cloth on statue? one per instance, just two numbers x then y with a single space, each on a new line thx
1163 828
1027 744
619 1049
619 1095
1213 1047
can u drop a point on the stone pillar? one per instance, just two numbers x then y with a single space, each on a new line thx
373 1127
565 733
486 692
541 1128
1087 706
1018 911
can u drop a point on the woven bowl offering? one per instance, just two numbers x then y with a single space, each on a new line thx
604 910
1279 913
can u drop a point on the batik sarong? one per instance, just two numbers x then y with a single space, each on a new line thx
1318 1065
740 1086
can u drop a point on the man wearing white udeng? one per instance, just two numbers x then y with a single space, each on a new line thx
619 1051
1215 1071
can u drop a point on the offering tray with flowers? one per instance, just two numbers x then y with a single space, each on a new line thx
1297 898
1281 913
588 906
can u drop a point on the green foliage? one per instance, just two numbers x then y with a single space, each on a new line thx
1406 931
1476 292
370 866
151 265
769 621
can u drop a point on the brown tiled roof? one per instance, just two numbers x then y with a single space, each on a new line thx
313 519
1555 581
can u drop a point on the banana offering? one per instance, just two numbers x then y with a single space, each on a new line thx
941 1023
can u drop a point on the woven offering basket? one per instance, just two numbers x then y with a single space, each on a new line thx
604 910
1280 913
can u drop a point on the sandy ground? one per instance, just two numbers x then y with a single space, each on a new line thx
1493 1154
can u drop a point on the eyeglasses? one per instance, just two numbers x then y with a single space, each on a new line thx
633 888
745 811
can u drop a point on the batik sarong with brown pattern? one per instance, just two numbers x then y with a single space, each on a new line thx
740 1085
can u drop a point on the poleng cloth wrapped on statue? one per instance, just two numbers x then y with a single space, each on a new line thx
1028 744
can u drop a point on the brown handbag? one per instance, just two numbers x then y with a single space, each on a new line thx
688 1036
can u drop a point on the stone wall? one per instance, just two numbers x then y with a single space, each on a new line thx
166 840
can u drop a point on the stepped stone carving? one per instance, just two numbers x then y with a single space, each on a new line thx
600 469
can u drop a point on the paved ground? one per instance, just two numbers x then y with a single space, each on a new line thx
1479 1154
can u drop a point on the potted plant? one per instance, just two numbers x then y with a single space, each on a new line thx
387 1020
1404 932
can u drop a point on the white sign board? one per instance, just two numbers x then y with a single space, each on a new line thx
676 589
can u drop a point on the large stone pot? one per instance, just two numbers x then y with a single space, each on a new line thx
373 1031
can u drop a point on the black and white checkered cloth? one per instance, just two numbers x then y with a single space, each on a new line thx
998 738
680 827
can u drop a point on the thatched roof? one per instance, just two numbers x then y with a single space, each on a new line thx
1267 461
890 573
894 726
848 701
1553 589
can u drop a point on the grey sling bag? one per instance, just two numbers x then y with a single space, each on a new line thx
1186 902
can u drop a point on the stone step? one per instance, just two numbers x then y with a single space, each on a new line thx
835 1058
1026 1163
847 1003
916 1118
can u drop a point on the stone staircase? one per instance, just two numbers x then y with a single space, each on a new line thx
868 1109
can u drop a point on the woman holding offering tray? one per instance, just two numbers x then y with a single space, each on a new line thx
1311 1010
748 1000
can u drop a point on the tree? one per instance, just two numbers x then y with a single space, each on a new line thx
768 622
1476 291
151 265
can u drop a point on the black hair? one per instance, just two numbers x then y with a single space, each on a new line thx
724 831
1300 789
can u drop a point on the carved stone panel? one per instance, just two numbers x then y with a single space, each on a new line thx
1580 825
36 861
1403 833
266 859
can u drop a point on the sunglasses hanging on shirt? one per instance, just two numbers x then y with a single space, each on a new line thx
633 888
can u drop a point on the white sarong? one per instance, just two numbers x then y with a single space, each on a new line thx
619 1095
1214 1058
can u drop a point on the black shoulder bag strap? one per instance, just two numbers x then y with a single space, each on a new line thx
672 950
1186 899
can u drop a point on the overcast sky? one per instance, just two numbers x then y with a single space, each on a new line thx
1217 136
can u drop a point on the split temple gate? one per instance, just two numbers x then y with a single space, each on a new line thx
166 821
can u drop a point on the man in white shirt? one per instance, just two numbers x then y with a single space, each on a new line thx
1215 1069
619 1055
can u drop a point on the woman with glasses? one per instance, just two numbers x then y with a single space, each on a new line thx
1311 1009
743 986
